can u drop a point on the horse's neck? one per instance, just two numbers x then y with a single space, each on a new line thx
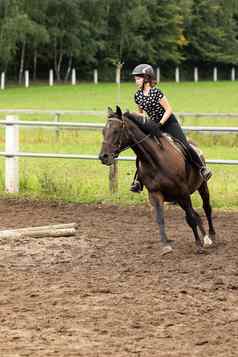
142 144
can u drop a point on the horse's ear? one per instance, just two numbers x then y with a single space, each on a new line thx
109 111
118 111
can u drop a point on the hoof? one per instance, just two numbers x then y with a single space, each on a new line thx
171 241
207 242
200 250
166 249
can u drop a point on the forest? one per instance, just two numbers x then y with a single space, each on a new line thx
87 34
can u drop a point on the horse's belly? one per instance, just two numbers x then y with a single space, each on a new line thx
172 188
168 188
171 194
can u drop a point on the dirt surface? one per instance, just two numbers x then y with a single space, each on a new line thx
109 292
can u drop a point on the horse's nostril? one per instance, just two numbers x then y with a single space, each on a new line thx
103 156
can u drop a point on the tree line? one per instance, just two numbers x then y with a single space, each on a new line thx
86 34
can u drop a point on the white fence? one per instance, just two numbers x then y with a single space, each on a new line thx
177 75
12 152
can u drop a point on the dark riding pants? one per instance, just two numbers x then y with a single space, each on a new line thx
173 128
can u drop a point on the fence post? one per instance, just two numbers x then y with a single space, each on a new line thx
11 162
177 75
195 74
51 78
158 74
118 81
3 80
95 76
233 74
215 74
118 73
73 76
113 182
26 79
57 129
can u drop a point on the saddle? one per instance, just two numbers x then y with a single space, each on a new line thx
182 149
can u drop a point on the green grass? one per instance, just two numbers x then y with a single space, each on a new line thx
87 181
184 97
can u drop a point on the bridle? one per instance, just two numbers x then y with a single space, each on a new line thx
117 149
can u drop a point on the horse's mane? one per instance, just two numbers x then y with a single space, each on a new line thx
146 125
132 116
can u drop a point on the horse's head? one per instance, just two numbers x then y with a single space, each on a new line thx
113 137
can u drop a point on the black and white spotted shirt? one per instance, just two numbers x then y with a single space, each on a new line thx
151 103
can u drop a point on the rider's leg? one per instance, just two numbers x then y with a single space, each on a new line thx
173 128
197 161
136 185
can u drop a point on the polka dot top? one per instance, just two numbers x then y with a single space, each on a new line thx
151 103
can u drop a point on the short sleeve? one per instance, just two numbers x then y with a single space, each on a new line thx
160 94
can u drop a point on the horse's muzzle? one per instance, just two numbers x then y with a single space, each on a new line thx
106 159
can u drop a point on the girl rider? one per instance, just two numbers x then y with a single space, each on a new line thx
151 100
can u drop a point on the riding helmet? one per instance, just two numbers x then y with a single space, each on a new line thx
144 70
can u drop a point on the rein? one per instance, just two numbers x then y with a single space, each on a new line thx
118 149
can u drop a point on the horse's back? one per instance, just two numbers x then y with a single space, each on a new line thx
182 172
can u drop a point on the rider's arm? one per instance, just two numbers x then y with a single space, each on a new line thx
140 110
168 109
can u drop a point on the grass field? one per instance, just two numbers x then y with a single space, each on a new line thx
184 97
87 181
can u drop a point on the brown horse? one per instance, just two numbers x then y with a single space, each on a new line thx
164 171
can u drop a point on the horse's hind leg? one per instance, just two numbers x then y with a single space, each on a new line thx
157 201
204 193
193 220
200 224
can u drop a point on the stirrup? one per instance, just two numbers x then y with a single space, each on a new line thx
136 187
205 173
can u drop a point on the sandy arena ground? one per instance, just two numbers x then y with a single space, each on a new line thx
109 292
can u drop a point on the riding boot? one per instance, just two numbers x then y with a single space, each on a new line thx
137 185
204 171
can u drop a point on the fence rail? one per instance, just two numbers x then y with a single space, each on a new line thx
92 157
100 126
12 143
54 112
103 113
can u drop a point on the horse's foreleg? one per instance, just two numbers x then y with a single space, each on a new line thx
204 193
157 201
192 220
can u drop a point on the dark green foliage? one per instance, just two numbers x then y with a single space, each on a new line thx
61 34
212 32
